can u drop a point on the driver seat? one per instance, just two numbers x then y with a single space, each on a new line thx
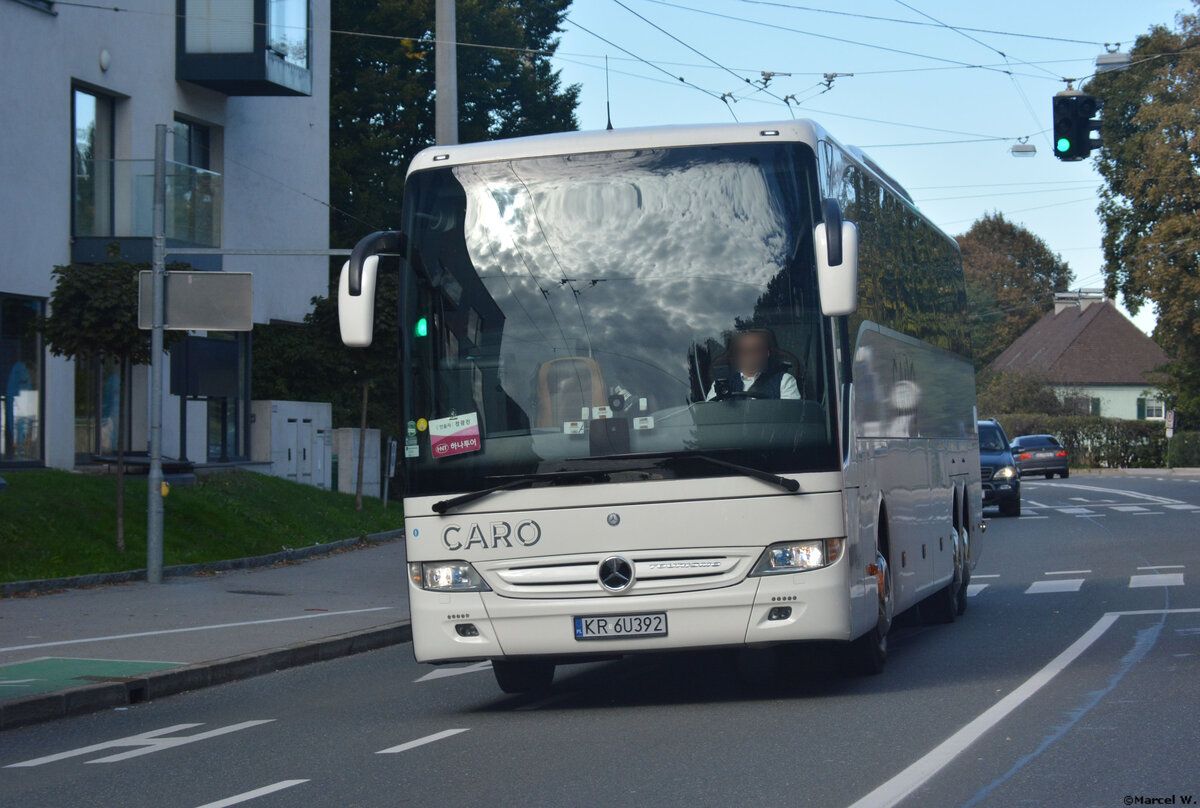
565 386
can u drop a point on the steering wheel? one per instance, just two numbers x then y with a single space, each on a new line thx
738 394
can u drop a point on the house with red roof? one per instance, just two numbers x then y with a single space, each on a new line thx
1093 356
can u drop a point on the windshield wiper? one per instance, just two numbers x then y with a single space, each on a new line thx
747 471
522 481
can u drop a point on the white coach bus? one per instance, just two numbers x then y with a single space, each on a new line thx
673 388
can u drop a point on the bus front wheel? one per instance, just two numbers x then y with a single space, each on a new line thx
523 675
867 655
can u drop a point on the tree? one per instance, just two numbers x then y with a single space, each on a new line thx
1150 201
1011 279
93 315
382 93
1005 392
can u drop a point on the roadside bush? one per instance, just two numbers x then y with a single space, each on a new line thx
1184 451
1095 442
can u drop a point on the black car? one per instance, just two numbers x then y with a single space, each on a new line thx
1001 479
1040 454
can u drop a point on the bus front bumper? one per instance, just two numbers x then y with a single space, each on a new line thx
469 626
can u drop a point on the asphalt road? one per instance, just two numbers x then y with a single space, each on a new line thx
1071 681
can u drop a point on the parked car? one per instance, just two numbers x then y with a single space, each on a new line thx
1040 454
1001 478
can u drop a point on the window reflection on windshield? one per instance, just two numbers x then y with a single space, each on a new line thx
607 304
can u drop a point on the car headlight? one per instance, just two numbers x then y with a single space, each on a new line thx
798 556
1004 473
446 576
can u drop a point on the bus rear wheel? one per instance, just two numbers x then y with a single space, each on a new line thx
523 675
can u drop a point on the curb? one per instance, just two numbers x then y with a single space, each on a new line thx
180 570
1180 472
138 689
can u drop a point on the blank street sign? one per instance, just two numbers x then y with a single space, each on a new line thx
200 301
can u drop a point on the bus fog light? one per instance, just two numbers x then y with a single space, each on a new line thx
446 576
798 556
466 630
779 613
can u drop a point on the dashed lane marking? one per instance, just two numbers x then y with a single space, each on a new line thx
250 795
1163 567
1129 508
1051 587
1076 511
1156 579
443 673
144 743
437 736
1117 491
1068 572
1183 506
994 575
975 589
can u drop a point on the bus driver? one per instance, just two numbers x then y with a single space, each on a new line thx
752 371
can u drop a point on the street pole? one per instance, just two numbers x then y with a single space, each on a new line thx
154 499
445 114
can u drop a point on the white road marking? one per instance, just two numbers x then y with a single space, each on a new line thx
442 673
1079 499
1090 515
1150 513
1033 517
4 682
1156 579
986 576
1119 491
1079 511
1163 567
975 589
1184 507
1068 572
404 747
1050 587
148 741
192 628
1129 508
1030 503
919 772
249 795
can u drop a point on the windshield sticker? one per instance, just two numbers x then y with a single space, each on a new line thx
457 434
601 412
644 422
573 427
422 424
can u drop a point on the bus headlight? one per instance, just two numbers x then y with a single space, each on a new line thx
1004 473
446 576
798 556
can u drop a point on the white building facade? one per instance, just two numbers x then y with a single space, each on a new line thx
244 87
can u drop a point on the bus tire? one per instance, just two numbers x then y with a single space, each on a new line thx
961 602
867 655
523 675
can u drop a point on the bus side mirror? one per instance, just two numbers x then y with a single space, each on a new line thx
356 313
836 245
356 286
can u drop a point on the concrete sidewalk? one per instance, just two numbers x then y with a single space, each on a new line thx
87 649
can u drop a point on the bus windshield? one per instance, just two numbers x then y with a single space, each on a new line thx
590 311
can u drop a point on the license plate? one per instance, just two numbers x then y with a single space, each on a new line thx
619 626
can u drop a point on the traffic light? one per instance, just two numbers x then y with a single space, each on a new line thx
421 329
1074 123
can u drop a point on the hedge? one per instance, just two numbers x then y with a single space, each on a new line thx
1184 451
1094 442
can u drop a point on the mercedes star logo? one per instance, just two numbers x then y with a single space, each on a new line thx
614 519
616 574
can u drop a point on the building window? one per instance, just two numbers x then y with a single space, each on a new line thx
20 380
1150 409
287 30
97 403
92 175
192 144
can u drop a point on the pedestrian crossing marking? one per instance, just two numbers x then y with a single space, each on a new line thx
1156 579
1130 508
1057 585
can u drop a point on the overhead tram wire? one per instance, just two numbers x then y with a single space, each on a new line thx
706 57
586 30
832 38
914 22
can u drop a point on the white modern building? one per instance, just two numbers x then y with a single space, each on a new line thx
244 88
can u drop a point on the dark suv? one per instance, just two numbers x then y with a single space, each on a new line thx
1001 480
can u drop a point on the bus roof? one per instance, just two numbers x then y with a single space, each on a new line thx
648 137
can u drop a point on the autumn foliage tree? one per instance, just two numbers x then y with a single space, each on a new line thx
1150 202
1011 279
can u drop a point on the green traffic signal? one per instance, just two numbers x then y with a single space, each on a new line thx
1063 145
422 327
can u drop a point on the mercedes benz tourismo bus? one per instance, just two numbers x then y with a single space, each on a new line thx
673 388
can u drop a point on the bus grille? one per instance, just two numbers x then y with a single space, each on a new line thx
656 572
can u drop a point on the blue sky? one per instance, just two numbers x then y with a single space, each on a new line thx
910 74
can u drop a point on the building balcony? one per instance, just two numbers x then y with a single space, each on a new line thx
114 204
245 47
